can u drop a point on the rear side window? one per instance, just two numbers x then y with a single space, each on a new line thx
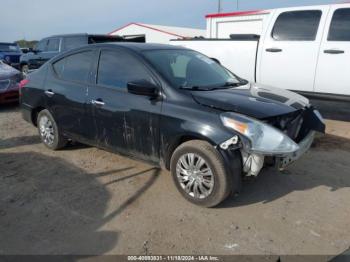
339 29
75 67
53 45
117 68
74 42
297 26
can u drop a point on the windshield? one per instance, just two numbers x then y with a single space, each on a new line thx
9 47
190 69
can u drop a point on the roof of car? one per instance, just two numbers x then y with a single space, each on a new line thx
135 47
84 34
139 46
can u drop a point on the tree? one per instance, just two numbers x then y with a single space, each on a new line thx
24 43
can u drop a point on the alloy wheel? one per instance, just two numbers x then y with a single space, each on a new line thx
46 130
195 175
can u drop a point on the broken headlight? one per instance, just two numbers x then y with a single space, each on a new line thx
263 138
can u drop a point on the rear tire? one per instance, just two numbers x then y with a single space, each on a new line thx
49 132
199 173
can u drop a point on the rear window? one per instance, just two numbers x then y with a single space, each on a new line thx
297 26
339 29
75 67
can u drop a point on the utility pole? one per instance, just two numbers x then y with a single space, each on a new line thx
219 6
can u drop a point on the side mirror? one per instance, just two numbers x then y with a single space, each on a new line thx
143 88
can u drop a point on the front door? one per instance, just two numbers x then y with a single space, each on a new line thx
332 74
125 122
290 48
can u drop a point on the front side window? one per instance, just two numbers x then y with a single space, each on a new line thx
190 69
53 45
339 29
117 68
75 67
74 42
41 46
297 25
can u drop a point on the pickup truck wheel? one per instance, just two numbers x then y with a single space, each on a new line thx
48 131
199 173
25 69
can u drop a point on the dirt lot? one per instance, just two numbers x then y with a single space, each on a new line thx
83 200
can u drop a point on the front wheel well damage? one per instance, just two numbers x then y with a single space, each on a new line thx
177 142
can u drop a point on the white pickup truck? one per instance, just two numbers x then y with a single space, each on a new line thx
306 49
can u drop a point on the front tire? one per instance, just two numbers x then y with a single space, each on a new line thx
199 173
48 131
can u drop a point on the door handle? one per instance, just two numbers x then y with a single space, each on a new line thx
97 102
49 93
273 50
333 51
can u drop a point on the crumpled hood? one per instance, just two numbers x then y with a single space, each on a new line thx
254 100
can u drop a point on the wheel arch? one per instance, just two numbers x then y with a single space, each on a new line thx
34 114
177 141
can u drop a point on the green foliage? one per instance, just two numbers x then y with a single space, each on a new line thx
25 43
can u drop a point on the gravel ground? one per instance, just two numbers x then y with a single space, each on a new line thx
82 200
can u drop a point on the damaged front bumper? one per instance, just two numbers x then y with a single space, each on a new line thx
279 141
304 145
253 162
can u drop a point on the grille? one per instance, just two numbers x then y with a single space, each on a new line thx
14 58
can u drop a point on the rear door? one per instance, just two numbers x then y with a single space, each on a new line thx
126 123
290 48
332 74
66 94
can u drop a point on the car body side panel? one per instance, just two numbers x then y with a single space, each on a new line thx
32 95
180 122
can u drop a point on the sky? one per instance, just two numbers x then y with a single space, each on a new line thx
35 19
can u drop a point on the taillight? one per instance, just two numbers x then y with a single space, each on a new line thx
23 83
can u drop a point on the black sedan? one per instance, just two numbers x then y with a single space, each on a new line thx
173 107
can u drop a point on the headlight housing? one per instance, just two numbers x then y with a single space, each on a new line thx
263 138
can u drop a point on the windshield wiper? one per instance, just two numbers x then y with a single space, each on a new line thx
215 87
240 83
194 88
229 84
